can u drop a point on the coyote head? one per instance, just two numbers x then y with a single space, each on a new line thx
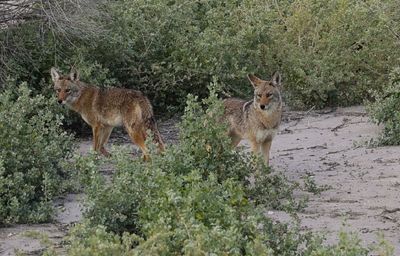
266 93
67 87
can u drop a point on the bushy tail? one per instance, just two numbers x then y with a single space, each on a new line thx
151 124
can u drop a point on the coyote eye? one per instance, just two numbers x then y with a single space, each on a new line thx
58 90
259 95
269 95
67 90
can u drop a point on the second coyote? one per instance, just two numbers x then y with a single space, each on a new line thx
256 120
104 109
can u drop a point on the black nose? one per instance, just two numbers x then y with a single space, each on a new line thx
262 106
59 101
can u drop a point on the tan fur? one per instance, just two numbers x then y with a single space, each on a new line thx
104 109
256 120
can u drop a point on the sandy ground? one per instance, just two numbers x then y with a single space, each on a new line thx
365 182
327 145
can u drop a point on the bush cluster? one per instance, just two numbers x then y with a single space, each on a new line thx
385 110
327 56
33 147
329 53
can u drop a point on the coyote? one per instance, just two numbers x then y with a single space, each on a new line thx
104 109
258 119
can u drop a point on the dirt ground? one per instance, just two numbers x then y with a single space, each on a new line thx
364 182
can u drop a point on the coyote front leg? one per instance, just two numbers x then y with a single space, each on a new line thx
101 134
255 147
96 142
265 148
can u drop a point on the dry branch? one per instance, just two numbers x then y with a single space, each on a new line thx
65 20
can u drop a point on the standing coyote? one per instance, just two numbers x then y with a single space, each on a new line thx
104 109
256 120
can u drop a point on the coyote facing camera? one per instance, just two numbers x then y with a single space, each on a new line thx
104 109
256 120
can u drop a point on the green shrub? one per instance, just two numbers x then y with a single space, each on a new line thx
385 110
33 146
170 48
171 213
327 55
88 240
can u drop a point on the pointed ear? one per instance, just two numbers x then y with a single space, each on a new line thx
74 74
54 74
255 81
276 79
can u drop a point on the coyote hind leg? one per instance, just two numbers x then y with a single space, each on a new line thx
152 126
138 137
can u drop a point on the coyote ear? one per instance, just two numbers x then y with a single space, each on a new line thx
74 75
276 79
54 74
255 81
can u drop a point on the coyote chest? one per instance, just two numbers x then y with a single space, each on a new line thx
85 118
266 134
262 126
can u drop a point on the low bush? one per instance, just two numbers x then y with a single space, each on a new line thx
33 147
88 240
385 110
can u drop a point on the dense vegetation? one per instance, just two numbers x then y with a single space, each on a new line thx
386 111
33 147
330 53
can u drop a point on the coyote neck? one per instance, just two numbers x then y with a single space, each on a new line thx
268 119
87 95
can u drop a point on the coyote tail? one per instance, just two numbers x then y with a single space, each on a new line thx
151 124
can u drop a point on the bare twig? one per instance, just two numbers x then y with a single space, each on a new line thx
64 20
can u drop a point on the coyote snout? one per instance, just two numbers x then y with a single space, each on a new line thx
256 120
104 109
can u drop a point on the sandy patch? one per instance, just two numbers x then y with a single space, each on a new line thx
365 182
